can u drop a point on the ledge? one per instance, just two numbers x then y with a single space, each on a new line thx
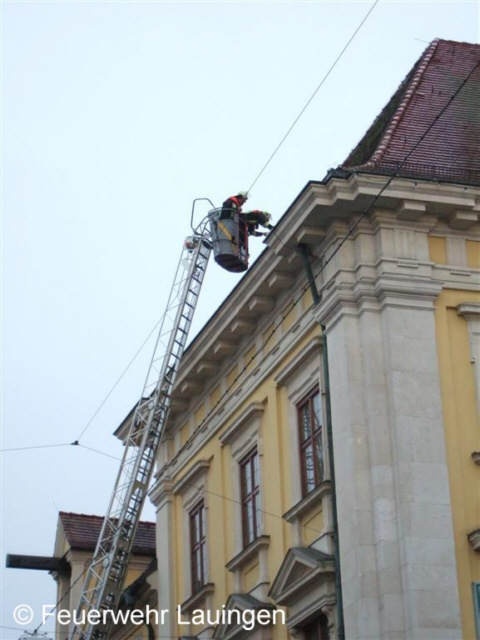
262 542
468 309
295 363
198 469
199 595
299 510
252 411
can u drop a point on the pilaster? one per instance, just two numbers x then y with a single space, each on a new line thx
395 521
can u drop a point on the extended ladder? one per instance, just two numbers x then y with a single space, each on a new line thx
105 577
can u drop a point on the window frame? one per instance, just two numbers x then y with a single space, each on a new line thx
198 546
476 607
313 440
318 627
250 496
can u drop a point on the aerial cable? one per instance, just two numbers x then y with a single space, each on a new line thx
337 59
118 380
39 446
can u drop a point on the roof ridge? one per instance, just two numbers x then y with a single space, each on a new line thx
97 517
400 110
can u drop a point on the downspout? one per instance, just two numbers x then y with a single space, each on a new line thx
328 423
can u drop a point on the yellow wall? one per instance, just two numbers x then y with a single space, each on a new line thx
438 249
462 438
473 254
276 493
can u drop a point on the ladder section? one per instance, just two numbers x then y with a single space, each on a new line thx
106 575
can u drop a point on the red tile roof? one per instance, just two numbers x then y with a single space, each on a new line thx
451 149
82 531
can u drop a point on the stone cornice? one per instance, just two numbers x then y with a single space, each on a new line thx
406 203
197 471
252 412
306 503
292 365
474 539
262 542
161 491
223 413
469 309
198 597
390 289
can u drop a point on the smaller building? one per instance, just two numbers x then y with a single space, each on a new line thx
75 543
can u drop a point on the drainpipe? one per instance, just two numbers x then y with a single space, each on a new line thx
328 420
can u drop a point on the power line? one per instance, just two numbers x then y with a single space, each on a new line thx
40 446
337 59
118 380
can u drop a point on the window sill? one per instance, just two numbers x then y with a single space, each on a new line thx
197 597
305 504
262 542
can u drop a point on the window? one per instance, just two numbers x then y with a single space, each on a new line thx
197 546
309 415
476 606
250 497
317 630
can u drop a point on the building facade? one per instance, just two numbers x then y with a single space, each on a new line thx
76 539
312 494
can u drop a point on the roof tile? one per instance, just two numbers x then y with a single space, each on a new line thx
450 150
82 532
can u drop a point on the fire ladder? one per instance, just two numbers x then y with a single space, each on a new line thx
105 577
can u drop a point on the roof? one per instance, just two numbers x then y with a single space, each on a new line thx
82 532
450 150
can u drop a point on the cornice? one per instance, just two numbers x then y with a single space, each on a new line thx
469 309
225 411
197 471
262 542
293 365
198 597
252 412
306 503
161 492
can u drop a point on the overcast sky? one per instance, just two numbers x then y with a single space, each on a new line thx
115 116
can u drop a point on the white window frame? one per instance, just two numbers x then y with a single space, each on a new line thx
301 376
192 488
476 607
242 436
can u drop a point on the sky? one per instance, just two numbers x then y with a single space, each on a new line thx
115 116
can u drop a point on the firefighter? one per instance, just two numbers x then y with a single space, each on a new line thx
253 219
233 204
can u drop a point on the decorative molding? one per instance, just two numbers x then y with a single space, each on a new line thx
161 491
253 411
262 542
306 503
474 539
197 597
294 364
199 469
468 309
301 571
